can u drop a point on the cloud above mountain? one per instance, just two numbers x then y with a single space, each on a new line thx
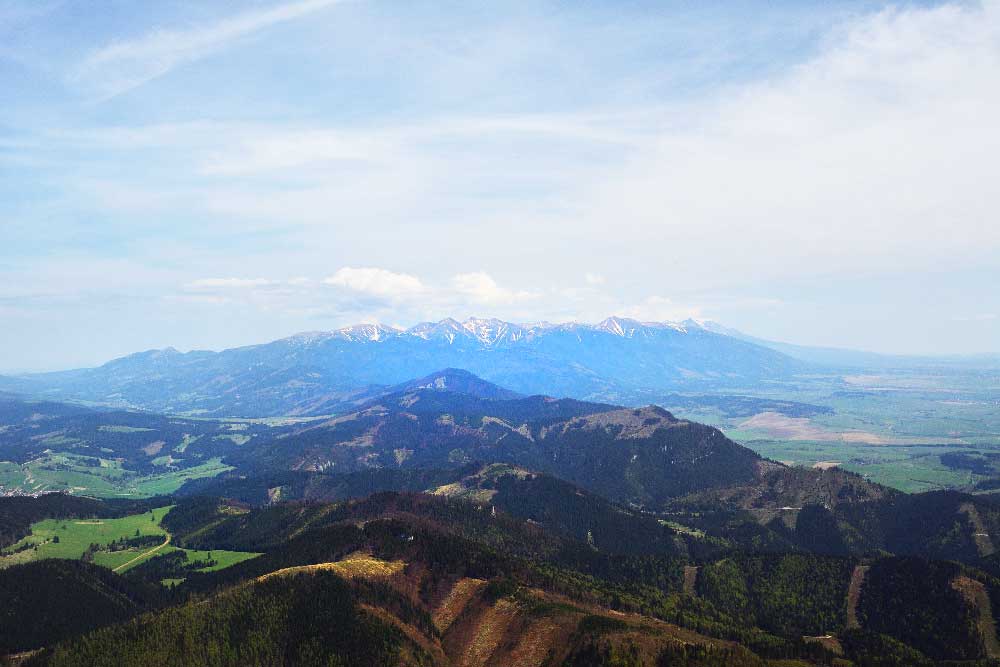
481 288
372 294
377 282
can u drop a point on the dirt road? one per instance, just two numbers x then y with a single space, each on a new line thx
143 555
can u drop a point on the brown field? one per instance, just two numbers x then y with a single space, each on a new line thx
854 594
458 597
782 427
690 579
354 566
975 594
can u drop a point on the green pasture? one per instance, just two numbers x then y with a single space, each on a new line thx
69 473
70 538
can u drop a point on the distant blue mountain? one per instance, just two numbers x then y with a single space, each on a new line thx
842 358
323 372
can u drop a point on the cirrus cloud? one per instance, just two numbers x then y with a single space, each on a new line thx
126 64
229 283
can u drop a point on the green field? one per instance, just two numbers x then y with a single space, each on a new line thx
223 559
70 538
891 427
76 474
75 535
907 468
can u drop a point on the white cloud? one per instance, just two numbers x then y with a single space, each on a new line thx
376 282
276 151
198 299
464 289
376 294
481 288
980 317
660 309
261 150
121 66
874 155
229 283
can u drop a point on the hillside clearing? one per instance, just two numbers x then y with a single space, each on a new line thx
61 538
366 567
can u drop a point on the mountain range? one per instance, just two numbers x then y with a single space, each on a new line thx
641 456
447 520
619 360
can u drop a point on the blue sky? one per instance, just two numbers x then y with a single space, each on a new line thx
211 174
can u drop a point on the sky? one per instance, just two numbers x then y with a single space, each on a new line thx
205 175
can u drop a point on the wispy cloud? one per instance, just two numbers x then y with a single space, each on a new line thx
868 156
521 154
229 283
372 294
979 317
660 309
124 65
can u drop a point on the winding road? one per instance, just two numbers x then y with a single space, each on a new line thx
143 555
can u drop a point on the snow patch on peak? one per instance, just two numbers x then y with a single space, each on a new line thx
367 332
447 329
309 337
712 327
493 331
620 326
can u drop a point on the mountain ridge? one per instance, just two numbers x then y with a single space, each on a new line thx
618 359
640 456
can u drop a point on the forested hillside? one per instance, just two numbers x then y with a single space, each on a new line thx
47 601
460 579
642 456
476 527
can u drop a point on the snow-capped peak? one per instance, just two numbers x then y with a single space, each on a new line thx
620 326
309 337
493 331
712 327
447 329
367 332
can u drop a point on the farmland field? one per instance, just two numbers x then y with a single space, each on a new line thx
901 428
46 447
108 479
70 539
912 429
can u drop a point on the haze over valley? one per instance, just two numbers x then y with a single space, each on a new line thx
911 423
527 333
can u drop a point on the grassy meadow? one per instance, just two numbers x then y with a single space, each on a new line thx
62 472
70 539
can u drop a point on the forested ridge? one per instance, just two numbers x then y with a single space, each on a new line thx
17 513
765 603
514 546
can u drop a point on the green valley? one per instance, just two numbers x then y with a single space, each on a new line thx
119 544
